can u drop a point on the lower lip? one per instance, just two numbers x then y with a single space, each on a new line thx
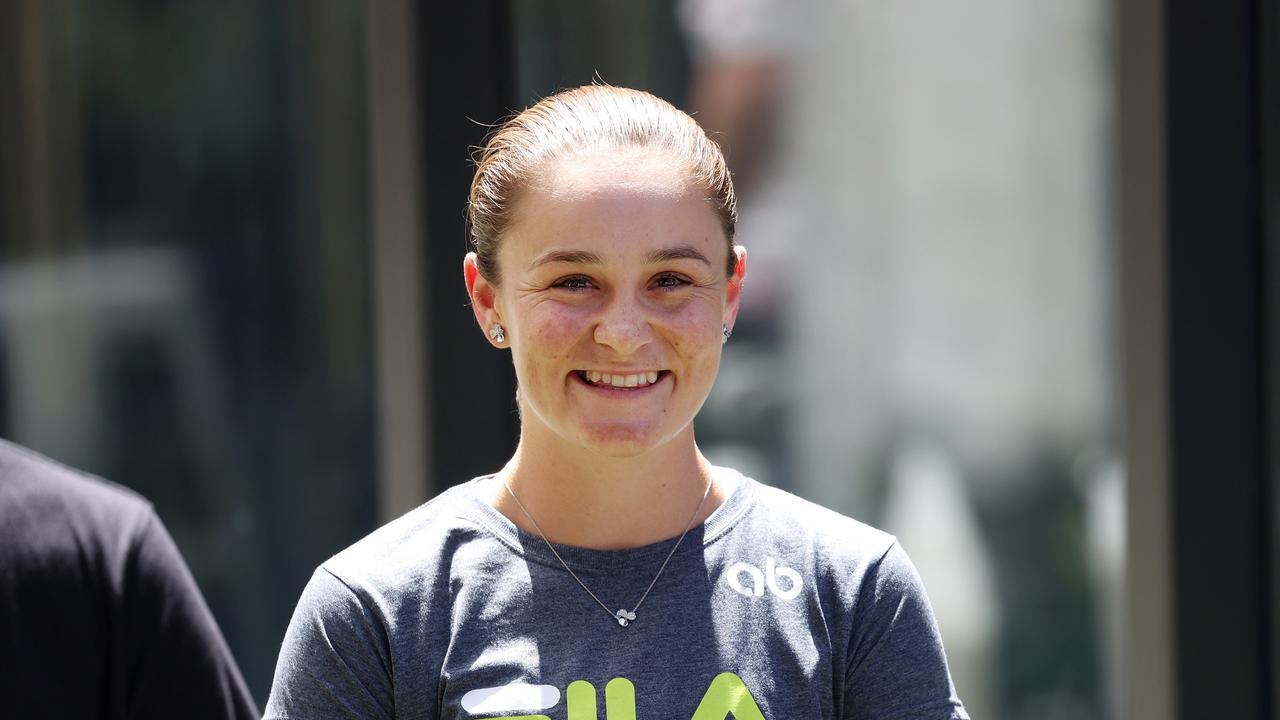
621 392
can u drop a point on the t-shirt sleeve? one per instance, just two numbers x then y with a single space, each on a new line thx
335 659
178 664
897 667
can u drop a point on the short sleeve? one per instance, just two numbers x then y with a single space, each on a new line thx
178 664
335 659
897 668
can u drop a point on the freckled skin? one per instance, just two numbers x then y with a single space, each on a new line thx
620 309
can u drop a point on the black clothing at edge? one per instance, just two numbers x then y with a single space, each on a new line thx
99 616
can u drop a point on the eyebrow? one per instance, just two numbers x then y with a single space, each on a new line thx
580 257
584 257
680 252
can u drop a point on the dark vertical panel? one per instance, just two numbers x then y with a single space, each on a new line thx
1269 87
467 82
1216 282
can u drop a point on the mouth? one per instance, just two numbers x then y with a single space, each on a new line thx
621 381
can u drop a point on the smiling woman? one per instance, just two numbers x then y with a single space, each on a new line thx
608 550
606 271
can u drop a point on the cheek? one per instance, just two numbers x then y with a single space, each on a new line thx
549 334
557 325
695 330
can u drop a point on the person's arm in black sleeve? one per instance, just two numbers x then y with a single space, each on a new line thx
898 670
179 663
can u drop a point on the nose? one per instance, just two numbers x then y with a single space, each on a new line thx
624 326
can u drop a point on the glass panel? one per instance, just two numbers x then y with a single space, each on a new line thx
184 295
924 340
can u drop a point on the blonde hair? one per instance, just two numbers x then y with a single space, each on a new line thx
592 117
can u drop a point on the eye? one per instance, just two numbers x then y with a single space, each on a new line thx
573 282
670 281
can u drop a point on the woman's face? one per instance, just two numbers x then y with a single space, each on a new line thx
612 299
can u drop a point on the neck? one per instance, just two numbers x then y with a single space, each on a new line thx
584 499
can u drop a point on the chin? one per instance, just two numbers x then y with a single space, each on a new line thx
623 440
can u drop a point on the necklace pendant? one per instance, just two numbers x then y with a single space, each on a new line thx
625 618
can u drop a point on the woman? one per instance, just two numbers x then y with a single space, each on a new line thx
608 556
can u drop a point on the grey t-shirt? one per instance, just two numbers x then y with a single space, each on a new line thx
773 609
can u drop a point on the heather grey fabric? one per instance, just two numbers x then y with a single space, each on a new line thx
773 609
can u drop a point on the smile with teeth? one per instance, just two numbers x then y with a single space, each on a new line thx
636 380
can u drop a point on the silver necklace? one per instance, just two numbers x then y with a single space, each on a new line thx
622 615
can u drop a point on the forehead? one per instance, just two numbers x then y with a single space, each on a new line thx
600 174
624 199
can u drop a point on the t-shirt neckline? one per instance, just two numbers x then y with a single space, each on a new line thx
470 498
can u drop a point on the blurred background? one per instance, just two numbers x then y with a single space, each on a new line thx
231 235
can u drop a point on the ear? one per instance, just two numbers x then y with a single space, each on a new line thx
733 291
483 294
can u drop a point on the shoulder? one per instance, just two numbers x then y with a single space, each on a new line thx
43 502
823 530
25 473
94 575
420 547
846 560
393 586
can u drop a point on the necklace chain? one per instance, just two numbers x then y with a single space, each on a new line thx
623 616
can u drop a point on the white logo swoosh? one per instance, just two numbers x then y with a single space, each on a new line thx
510 698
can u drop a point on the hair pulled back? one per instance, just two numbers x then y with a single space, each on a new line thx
588 118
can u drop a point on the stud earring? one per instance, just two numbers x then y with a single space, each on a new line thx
727 333
497 334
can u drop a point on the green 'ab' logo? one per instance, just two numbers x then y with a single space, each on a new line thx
726 695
